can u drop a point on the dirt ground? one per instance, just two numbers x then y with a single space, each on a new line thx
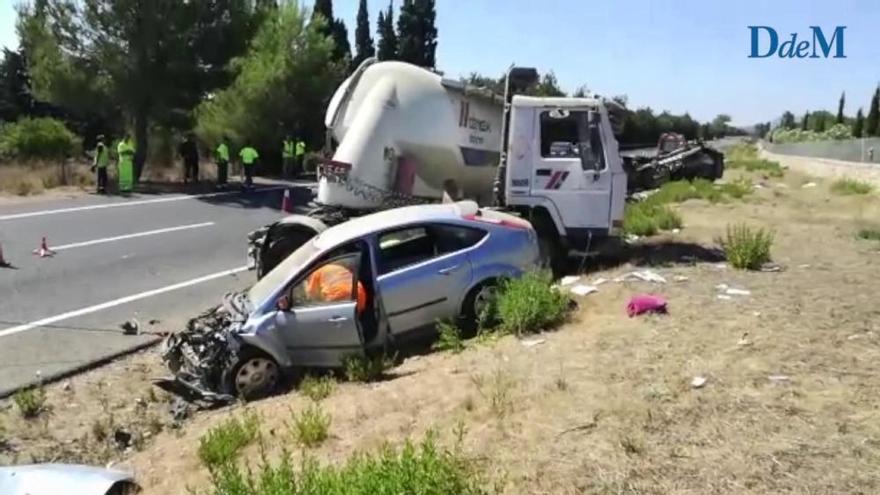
605 404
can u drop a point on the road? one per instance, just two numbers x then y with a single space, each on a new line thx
159 258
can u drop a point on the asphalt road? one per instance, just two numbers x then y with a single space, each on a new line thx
160 258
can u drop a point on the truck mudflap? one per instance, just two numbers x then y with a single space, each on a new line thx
198 355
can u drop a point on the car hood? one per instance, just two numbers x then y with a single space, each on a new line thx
55 479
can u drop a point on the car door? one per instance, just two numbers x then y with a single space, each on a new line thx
419 282
319 332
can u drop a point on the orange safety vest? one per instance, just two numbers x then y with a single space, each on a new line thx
333 283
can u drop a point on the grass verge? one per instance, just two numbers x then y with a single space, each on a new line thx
317 388
869 234
530 304
222 443
31 402
851 187
424 468
449 338
745 248
310 427
365 369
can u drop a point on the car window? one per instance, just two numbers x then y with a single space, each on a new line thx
330 282
404 247
451 238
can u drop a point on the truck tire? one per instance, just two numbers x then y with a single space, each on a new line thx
282 245
251 374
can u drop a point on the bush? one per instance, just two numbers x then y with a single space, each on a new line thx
849 187
771 168
738 188
869 234
359 368
449 338
746 249
418 469
647 218
317 388
530 304
31 138
222 443
30 401
310 427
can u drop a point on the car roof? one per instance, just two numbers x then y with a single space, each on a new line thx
361 226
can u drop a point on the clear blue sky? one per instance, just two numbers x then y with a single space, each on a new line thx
687 55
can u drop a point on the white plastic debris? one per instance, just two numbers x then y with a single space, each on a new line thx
680 278
721 287
583 290
532 342
809 185
599 281
643 275
782 186
737 292
699 381
724 297
631 238
568 280
779 378
676 231
744 340
720 266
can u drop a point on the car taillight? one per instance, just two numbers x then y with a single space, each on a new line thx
514 224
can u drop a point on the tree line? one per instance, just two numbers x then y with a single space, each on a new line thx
823 125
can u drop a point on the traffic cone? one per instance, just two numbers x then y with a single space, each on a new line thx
43 251
286 205
3 262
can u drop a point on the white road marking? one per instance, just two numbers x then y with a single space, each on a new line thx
116 302
16 216
131 236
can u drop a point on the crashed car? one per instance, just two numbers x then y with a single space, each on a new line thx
55 479
407 268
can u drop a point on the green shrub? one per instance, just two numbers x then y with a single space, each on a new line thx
869 234
30 401
222 443
746 249
310 427
647 218
317 388
358 368
738 188
741 151
530 304
848 187
415 469
771 168
43 137
449 338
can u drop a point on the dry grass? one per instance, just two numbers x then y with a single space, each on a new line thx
36 177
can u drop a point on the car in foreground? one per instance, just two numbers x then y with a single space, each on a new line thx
409 267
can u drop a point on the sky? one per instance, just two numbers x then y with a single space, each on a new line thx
686 55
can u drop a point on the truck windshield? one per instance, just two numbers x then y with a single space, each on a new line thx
274 279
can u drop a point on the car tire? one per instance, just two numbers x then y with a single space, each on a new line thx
474 304
251 374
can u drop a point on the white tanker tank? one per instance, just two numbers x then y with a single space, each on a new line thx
404 131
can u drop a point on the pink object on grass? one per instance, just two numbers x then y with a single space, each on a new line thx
645 304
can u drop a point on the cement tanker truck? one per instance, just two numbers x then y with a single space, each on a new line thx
405 135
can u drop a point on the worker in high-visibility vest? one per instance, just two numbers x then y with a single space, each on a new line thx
101 160
300 155
222 157
333 283
248 157
287 157
125 164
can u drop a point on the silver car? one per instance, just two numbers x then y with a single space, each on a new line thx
413 266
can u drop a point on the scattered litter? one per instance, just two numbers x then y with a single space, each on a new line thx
154 321
806 265
721 287
744 340
759 186
645 304
643 195
631 239
599 281
699 381
809 185
643 275
782 186
720 266
532 342
676 231
583 290
130 327
680 278
756 313
66 386
779 378
568 280
737 292
772 267
724 297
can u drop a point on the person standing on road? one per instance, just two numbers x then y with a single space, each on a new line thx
300 155
189 151
125 164
102 159
248 157
222 156
287 157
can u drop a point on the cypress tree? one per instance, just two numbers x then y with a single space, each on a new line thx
859 124
840 107
387 44
872 124
362 39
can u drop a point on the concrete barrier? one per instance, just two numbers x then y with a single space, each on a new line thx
826 168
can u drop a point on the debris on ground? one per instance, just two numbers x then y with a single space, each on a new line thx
645 303
724 297
699 382
680 278
568 280
779 379
744 340
130 327
599 281
532 342
772 267
809 185
642 275
583 290
726 290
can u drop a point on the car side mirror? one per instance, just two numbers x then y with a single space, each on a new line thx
283 303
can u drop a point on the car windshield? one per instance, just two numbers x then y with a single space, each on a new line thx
270 283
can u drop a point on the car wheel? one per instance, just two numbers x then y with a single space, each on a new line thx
479 300
252 374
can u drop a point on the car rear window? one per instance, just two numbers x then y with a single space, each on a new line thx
451 238
401 248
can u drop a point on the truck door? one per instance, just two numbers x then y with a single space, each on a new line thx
571 170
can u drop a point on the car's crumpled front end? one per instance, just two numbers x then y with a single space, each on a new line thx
198 355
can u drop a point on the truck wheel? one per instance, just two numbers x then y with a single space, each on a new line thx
552 256
251 375
285 243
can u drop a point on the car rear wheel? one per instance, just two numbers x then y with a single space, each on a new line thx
479 304
251 375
